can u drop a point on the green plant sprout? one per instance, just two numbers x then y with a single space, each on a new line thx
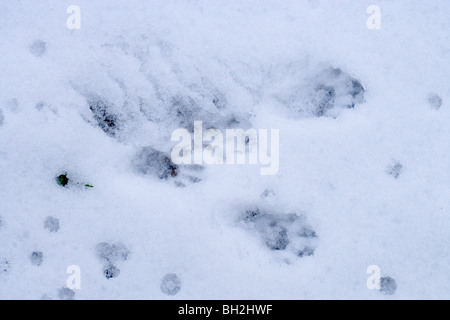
63 181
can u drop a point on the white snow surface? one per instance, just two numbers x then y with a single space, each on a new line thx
333 170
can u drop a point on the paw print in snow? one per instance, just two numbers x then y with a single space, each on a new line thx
150 161
282 232
170 284
110 254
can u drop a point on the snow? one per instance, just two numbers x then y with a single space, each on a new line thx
373 181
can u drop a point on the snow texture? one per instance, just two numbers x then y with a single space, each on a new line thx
86 118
